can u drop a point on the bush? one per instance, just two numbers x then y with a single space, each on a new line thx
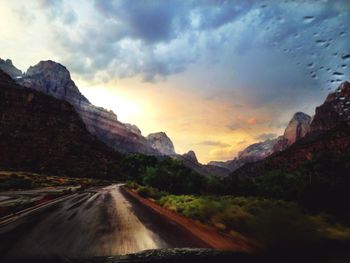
149 192
274 224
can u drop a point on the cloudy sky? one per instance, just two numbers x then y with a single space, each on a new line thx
215 75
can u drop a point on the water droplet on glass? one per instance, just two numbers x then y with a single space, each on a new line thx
308 19
346 56
321 42
336 73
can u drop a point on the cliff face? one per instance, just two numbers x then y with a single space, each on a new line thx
162 143
10 69
334 112
42 134
54 79
297 128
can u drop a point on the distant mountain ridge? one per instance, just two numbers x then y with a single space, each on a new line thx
329 131
54 79
296 129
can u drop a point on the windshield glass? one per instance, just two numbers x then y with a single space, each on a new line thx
215 130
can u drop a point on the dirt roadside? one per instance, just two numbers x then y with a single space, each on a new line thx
208 235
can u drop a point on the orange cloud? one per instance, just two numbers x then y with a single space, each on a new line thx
251 121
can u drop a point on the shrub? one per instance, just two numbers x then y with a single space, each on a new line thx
274 224
150 192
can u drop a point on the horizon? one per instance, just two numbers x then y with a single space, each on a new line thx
230 89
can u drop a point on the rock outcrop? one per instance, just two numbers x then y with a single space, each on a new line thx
54 79
10 69
162 143
191 156
334 112
297 128
42 134
257 151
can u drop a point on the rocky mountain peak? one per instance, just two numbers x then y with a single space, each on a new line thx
53 79
257 151
297 127
334 112
162 143
8 67
191 156
345 86
48 66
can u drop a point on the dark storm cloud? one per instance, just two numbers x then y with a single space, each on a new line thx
214 14
162 34
150 21
258 48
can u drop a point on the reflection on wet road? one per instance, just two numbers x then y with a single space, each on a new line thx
92 223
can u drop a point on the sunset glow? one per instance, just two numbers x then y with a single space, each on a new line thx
214 87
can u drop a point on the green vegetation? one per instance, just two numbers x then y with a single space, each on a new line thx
272 223
168 175
320 185
146 191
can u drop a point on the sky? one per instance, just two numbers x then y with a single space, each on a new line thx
215 75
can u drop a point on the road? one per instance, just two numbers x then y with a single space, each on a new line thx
98 222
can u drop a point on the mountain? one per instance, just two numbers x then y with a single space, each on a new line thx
54 79
189 159
191 155
43 134
329 132
252 153
297 128
162 143
334 111
9 68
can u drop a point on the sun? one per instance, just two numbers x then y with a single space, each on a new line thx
112 99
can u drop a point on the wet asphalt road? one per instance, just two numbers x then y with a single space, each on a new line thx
97 222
